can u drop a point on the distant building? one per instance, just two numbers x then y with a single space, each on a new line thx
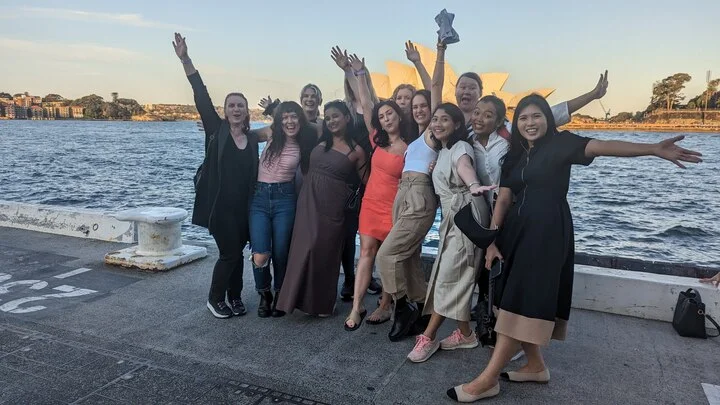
53 103
15 112
77 112
62 112
49 112
23 100
36 112
36 100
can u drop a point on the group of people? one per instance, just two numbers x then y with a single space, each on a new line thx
382 168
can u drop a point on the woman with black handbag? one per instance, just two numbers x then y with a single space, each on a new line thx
223 186
536 239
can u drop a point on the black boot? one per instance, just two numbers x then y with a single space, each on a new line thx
348 289
276 313
422 322
264 309
405 316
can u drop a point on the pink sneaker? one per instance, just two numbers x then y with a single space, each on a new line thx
424 348
459 341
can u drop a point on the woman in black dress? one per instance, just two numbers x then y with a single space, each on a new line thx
536 239
222 194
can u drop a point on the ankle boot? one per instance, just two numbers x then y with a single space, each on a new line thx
405 316
422 322
264 309
276 313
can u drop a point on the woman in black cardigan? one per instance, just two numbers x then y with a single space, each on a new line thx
224 186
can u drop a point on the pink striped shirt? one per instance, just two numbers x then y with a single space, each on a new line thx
282 168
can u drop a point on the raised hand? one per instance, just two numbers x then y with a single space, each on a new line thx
356 63
669 151
411 52
601 87
265 102
340 57
180 46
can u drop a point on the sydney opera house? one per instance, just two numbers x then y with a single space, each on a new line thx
399 73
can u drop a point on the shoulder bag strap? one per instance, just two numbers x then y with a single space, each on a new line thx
712 321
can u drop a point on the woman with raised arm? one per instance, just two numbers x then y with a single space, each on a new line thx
403 94
390 135
312 274
536 239
272 210
224 187
414 209
360 134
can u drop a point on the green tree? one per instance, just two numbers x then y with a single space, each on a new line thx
666 92
53 98
5 95
93 105
131 105
710 91
638 117
691 105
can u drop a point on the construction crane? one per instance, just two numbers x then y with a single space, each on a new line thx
607 112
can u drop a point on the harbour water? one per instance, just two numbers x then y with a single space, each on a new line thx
638 208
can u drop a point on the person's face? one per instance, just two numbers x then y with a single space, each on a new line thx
389 119
442 125
421 110
484 118
335 121
403 98
236 109
290 124
532 123
309 100
467 93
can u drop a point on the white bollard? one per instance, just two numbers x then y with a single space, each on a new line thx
159 240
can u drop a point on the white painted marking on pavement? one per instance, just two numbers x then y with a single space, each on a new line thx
4 276
712 392
69 291
34 285
66 291
73 273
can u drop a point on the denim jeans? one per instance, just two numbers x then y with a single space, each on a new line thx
272 215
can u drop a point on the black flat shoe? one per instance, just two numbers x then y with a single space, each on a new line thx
346 294
357 324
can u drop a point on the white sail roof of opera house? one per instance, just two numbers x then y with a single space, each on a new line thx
403 73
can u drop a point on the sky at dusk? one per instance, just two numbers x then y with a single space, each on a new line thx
76 48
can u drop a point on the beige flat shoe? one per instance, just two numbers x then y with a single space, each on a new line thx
542 377
459 395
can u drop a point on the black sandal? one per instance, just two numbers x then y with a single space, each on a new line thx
357 324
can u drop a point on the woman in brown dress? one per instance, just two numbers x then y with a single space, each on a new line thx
315 251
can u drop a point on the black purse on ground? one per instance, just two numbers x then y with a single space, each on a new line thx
485 328
689 317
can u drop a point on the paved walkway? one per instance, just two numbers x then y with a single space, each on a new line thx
73 330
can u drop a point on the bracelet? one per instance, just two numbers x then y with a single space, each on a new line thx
359 72
474 183
186 61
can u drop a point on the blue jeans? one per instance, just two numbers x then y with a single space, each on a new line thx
272 215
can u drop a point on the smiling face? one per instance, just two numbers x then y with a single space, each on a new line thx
236 109
290 124
420 110
532 123
389 119
467 93
484 119
309 100
336 121
442 125
403 98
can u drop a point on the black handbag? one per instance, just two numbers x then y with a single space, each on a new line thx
352 203
689 317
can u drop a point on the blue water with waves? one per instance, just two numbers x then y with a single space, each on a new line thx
641 208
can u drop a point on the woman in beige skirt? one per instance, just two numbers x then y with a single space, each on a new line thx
453 276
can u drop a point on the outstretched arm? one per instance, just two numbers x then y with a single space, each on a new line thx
209 116
468 175
414 56
666 149
360 71
341 58
438 77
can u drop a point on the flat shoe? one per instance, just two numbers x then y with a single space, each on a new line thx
357 322
542 377
458 395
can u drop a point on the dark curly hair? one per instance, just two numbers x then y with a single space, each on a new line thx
306 137
381 138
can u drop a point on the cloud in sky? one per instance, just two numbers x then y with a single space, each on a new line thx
135 20
75 52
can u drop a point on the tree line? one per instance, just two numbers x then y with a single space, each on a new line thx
95 106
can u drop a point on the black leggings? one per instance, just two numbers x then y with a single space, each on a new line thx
352 222
231 238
